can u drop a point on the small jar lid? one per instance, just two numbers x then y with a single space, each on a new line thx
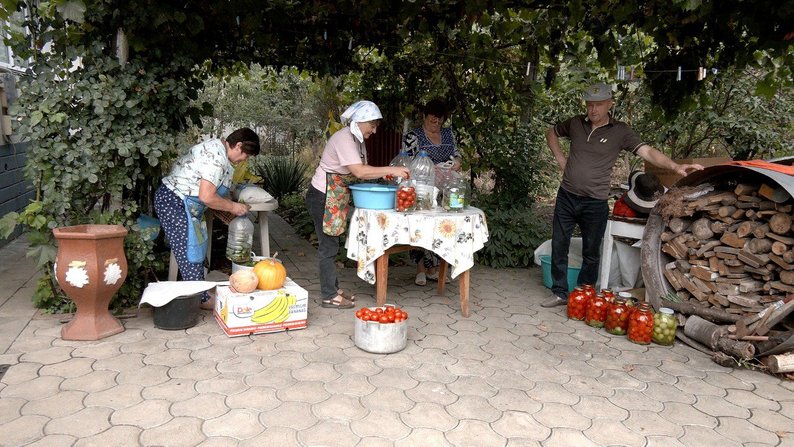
666 310
626 295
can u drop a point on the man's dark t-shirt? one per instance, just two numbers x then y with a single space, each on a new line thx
593 154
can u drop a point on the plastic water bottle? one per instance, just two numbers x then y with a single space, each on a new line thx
403 159
423 173
240 240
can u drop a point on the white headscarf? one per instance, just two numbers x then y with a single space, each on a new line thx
360 112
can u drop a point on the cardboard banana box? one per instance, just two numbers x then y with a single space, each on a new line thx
261 311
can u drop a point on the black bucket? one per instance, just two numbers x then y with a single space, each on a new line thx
180 313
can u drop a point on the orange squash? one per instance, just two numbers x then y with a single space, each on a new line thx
271 274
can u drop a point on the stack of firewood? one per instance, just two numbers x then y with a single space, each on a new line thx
733 262
732 250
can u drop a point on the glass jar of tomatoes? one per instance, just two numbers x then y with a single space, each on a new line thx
589 290
608 294
406 196
577 304
664 324
617 321
640 328
596 311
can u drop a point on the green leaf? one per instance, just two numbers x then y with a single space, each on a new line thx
36 117
73 10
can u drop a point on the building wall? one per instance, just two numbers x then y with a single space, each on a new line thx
15 191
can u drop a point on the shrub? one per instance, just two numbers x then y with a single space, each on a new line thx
282 175
515 231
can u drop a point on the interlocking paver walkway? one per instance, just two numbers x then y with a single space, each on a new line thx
512 374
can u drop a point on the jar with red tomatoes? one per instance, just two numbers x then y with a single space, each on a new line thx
608 294
596 313
640 328
617 321
577 304
405 199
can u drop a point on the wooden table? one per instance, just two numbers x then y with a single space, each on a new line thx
454 237
262 211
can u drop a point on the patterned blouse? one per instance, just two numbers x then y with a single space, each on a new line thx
206 161
416 140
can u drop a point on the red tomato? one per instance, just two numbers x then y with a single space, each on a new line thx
383 318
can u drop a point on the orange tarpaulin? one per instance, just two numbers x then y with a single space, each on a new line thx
785 169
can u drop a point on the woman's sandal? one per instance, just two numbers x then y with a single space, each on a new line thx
346 295
338 302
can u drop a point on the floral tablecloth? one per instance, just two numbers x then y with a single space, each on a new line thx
453 236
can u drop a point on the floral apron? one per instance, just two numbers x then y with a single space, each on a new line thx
337 203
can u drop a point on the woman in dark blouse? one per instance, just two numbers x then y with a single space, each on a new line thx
439 144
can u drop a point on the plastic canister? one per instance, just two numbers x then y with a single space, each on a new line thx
240 240
423 174
455 195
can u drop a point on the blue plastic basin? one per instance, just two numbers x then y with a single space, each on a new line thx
373 196
573 273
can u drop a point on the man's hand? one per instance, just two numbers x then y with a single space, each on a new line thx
685 169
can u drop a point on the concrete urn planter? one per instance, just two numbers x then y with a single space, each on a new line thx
90 267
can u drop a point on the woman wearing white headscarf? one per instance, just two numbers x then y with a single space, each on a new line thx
328 199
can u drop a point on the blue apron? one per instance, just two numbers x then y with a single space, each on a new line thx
197 227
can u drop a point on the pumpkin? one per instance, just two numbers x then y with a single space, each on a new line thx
271 273
243 281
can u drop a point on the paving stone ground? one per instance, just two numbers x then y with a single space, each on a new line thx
512 374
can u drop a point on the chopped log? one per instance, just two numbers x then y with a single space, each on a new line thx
667 236
761 230
739 349
779 248
714 264
718 227
780 223
743 189
781 262
776 195
750 285
765 214
746 228
704 331
787 277
719 300
727 289
772 316
788 256
722 197
780 286
746 205
707 247
726 211
749 198
784 208
682 265
731 239
767 205
737 214
781 363
677 251
701 229
700 262
780 238
758 245
704 312
705 286
672 278
742 301
677 224
703 273
751 259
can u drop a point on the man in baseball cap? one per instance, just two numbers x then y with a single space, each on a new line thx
596 141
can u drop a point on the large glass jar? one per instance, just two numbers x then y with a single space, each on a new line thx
577 304
640 328
617 321
239 240
455 195
405 199
608 294
589 290
664 324
596 313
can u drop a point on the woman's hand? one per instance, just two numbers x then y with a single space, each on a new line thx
239 209
399 171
